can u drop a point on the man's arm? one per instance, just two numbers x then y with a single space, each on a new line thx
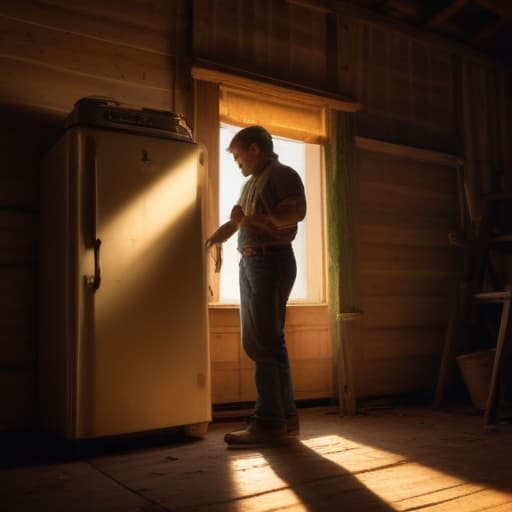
288 212
222 234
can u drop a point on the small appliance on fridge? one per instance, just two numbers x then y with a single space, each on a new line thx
123 314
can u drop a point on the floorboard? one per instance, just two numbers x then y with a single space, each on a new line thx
395 459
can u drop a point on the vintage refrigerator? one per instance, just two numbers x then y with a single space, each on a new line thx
123 344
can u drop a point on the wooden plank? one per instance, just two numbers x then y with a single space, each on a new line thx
500 8
408 259
396 376
278 89
400 342
298 317
313 5
30 132
308 343
387 214
18 320
408 152
448 363
224 346
406 284
396 199
18 192
17 238
388 169
17 398
308 51
417 177
404 312
183 101
312 378
57 89
206 126
311 316
278 40
225 382
491 409
446 13
90 57
395 459
401 88
489 31
223 316
309 348
343 209
398 236
145 25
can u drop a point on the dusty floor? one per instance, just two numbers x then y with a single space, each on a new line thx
409 459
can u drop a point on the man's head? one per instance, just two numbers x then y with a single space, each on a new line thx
251 147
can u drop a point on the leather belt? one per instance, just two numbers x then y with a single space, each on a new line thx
264 249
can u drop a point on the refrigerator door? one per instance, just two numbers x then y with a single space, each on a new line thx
142 356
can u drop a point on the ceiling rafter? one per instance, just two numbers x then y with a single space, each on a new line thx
445 13
487 32
501 9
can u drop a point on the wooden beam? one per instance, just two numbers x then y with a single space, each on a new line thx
487 32
313 5
502 9
344 273
260 84
446 13
410 152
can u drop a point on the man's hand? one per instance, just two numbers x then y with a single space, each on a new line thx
222 234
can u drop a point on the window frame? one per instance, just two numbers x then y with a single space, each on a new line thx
315 236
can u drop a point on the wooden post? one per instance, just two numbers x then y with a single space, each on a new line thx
206 131
492 401
343 272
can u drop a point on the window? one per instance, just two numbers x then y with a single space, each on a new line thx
306 159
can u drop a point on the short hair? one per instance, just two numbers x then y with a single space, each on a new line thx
253 135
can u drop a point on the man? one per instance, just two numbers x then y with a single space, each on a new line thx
271 204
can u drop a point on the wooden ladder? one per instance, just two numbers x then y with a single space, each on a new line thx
470 294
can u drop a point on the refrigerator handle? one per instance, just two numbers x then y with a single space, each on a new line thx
97 264
95 280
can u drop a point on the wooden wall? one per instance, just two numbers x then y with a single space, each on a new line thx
487 132
408 203
309 350
415 91
53 53
407 87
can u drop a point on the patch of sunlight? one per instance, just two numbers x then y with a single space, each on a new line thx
141 233
258 487
403 483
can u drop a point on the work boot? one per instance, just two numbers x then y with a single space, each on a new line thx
257 434
292 425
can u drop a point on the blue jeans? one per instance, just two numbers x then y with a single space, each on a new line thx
265 285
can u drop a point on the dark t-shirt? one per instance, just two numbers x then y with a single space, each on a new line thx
261 194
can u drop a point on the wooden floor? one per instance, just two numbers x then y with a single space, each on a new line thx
409 459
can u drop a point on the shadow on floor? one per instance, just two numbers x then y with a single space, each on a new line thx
322 485
38 448
452 442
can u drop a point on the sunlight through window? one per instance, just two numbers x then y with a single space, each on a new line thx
426 487
134 230
253 477
308 242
